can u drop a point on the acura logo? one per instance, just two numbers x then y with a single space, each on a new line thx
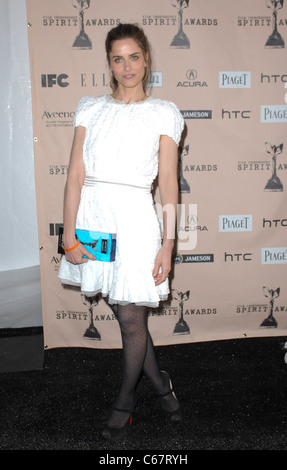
191 74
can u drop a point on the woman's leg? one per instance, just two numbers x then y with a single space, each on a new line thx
132 321
159 379
138 354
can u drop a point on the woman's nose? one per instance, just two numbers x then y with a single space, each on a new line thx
127 65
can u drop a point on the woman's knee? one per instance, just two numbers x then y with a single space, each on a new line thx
131 322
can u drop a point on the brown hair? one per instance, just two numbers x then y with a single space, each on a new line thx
123 31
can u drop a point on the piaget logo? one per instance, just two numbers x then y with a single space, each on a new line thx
235 223
273 255
274 113
234 79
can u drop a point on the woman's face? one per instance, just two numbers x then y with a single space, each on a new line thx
127 63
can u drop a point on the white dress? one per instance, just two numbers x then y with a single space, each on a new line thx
121 161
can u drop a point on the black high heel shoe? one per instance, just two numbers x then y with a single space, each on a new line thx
174 416
114 434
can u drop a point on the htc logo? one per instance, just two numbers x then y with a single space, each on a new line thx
235 114
237 257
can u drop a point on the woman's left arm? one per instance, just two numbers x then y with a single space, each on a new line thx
168 187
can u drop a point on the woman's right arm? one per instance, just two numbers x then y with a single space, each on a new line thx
75 180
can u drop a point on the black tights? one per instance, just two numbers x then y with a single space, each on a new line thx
138 355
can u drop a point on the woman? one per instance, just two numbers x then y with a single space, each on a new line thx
121 142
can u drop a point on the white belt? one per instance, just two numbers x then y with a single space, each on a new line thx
92 181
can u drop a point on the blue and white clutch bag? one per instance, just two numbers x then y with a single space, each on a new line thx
102 245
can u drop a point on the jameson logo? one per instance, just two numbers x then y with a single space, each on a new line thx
196 114
191 258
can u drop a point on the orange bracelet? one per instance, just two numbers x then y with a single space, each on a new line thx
73 247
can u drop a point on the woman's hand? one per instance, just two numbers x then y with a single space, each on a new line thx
76 256
162 266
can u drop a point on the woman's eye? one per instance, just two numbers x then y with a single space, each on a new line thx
135 57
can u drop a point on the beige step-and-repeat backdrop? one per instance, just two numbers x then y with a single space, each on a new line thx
223 63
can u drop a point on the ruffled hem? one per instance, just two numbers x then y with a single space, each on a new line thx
162 297
127 297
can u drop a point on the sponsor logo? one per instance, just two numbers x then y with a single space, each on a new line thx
274 78
274 223
274 113
51 79
234 79
189 223
237 257
225 114
274 255
58 118
192 80
196 114
235 223
93 80
193 258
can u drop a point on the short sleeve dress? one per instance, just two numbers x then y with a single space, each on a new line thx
121 161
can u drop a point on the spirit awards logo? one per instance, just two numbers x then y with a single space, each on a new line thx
181 327
82 41
274 183
182 183
180 40
91 332
271 294
275 40
266 309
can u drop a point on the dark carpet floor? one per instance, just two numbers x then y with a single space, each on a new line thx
233 395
